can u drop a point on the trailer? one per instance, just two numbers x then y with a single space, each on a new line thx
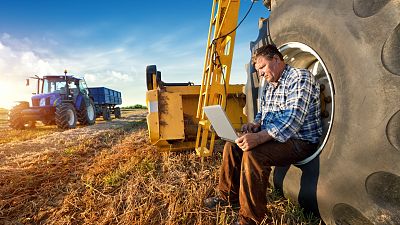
105 101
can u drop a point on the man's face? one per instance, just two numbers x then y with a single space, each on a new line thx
268 68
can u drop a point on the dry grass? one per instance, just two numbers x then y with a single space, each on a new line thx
10 135
118 178
3 117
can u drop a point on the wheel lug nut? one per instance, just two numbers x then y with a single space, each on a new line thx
322 87
325 114
328 99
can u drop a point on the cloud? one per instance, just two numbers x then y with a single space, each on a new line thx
118 65
17 60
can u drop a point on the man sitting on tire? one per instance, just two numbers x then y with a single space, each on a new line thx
286 130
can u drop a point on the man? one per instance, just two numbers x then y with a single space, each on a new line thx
286 130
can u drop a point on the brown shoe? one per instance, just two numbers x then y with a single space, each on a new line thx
212 202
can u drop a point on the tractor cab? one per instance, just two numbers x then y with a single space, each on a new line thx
53 89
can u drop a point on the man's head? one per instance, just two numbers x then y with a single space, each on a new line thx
269 63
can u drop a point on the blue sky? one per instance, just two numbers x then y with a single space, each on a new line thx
110 43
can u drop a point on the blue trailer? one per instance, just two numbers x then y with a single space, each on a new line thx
105 101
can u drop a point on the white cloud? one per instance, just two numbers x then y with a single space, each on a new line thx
16 65
120 66
120 76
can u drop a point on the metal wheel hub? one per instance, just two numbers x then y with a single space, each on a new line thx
300 55
71 117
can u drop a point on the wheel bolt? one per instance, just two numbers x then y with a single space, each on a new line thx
328 99
325 114
322 87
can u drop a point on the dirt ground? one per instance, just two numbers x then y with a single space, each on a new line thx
108 173
17 152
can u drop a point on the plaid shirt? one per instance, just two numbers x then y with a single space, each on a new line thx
292 108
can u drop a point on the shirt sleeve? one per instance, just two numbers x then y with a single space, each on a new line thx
257 118
291 118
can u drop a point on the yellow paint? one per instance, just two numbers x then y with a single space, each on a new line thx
176 120
217 67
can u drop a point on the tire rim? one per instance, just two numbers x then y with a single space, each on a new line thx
90 112
71 117
303 56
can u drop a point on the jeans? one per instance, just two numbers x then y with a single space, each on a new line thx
244 175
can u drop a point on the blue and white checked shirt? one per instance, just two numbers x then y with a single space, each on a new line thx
292 108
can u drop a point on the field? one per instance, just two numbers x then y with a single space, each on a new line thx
3 118
108 173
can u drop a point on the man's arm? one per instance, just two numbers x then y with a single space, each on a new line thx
291 119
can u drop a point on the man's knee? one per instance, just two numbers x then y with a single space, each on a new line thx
249 158
229 148
232 151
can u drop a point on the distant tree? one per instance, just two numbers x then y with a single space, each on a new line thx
137 106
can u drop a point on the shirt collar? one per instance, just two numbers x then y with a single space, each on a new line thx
283 76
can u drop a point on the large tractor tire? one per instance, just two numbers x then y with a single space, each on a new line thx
15 117
87 114
66 116
353 48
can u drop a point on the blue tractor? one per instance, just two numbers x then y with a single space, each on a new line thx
60 99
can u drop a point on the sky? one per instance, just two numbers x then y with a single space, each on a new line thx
110 43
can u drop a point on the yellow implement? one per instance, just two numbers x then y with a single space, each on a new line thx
176 120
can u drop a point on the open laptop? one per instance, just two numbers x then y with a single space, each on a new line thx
220 122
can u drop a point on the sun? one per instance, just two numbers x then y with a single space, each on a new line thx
12 93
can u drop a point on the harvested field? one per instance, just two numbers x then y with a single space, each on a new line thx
109 174
3 118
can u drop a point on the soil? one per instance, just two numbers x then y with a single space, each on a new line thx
16 153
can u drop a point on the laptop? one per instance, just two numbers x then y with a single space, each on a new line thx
220 122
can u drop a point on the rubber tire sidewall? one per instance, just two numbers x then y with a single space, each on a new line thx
83 115
106 114
117 112
15 118
61 117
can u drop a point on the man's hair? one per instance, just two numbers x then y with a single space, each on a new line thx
267 51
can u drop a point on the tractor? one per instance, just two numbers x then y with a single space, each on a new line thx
61 100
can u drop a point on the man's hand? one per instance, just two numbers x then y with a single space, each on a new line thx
251 140
247 141
251 127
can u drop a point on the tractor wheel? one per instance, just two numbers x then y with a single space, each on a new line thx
150 70
66 116
87 114
353 49
117 112
15 118
106 114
